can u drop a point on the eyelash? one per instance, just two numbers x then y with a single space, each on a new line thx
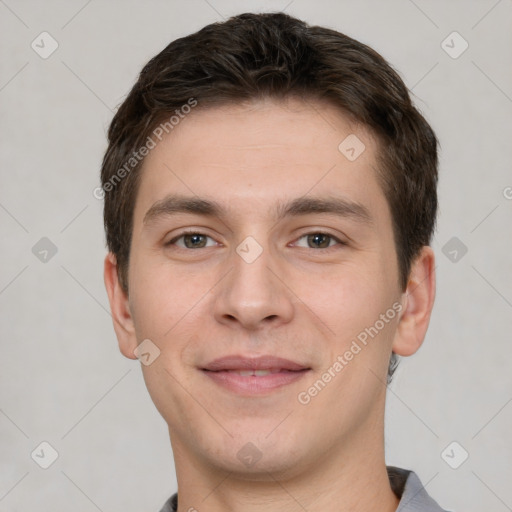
332 237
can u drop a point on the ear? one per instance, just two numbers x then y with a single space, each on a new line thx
119 305
417 303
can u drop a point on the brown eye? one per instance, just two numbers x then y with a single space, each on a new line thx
191 240
320 240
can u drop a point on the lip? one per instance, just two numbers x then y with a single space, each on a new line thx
282 372
265 362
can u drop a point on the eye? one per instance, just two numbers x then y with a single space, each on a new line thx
320 240
191 240
197 240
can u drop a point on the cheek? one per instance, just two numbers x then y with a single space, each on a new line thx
174 310
346 298
163 298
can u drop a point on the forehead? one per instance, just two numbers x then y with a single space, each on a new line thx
250 156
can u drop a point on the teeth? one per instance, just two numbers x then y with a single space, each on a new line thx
262 373
255 373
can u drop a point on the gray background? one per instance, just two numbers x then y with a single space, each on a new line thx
62 378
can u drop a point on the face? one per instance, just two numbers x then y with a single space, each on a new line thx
259 245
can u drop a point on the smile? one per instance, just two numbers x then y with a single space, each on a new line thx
254 382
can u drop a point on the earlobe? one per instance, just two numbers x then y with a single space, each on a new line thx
119 306
417 304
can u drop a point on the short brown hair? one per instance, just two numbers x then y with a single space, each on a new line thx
253 56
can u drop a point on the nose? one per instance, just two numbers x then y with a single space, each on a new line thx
254 295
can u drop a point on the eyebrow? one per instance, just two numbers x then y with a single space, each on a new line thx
174 204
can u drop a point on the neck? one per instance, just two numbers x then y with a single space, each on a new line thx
352 478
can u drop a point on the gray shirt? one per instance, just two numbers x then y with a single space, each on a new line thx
405 484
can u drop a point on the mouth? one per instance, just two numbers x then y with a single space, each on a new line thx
253 376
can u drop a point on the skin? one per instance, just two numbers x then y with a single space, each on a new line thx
297 300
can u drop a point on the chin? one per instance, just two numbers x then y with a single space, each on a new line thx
278 466
251 456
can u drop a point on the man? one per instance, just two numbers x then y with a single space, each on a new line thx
270 196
